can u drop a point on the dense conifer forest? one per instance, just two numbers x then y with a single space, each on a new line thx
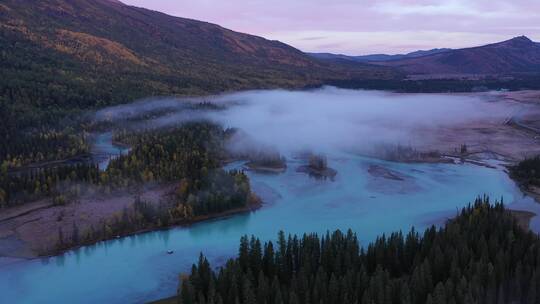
188 158
527 172
481 256
189 155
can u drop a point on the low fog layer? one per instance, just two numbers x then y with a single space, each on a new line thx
324 119
331 118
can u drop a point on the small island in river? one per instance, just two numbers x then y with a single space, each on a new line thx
318 167
267 163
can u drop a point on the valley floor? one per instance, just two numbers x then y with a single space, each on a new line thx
501 138
508 139
33 229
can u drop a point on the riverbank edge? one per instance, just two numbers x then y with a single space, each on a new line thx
523 218
255 204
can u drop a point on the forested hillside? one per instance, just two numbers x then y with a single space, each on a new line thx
482 256
61 57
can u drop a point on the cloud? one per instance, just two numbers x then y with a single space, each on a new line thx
391 41
437 8
331 118
287 21
314 38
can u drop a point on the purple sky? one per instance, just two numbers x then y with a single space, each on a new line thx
359 27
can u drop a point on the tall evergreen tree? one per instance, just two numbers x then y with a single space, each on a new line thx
482 256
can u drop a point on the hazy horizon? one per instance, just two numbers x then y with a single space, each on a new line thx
368 27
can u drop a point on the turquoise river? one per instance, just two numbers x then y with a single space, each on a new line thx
137 269
368 195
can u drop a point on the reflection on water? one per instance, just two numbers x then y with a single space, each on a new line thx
225 225
137 268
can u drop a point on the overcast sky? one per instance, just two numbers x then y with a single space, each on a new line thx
358 27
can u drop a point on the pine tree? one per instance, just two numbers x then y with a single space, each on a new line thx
332 269
75 236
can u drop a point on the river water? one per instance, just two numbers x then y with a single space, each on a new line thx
368 195
138 269
104 150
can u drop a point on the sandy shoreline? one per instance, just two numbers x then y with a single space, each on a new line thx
32 230
216 216
523 217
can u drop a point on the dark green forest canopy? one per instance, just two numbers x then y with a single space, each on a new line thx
527 171
481 256
184 159
189 154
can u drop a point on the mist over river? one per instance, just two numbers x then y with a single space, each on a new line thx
368 195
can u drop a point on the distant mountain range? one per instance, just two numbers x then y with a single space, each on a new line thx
118 46
100 52
517 55
377 57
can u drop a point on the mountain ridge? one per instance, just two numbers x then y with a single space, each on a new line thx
62 58
517 55
157 53
378 57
